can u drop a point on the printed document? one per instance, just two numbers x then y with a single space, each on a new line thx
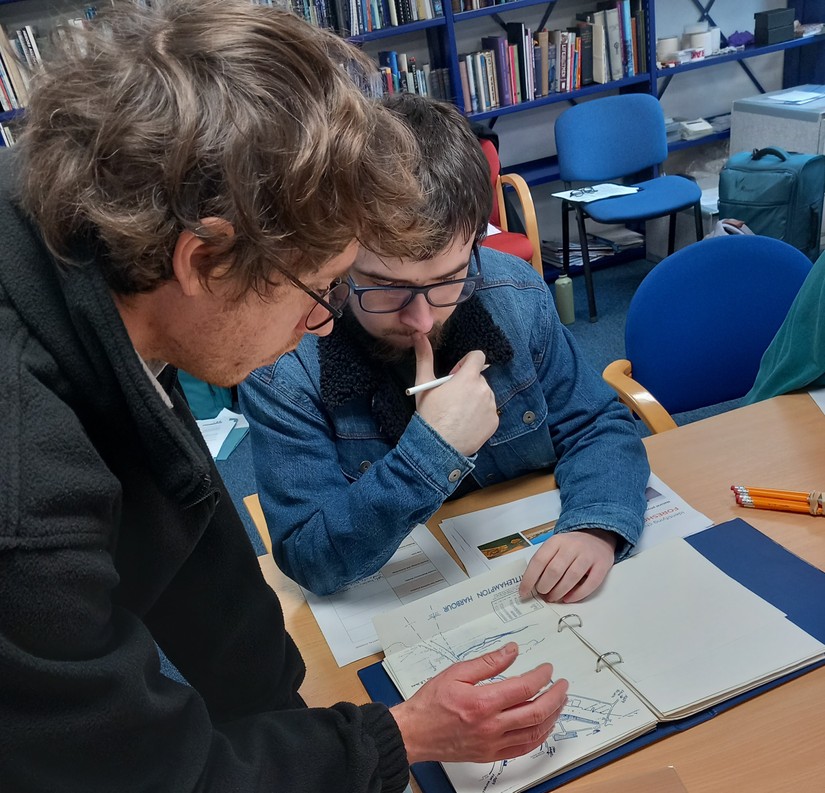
596 192
490 537
419 567
215 431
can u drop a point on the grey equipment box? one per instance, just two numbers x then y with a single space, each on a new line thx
759 121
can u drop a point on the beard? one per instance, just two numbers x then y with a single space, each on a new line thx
398 347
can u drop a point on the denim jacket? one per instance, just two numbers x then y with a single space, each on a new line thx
340 496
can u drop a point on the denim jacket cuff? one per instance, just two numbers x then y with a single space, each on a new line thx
432 457
622 522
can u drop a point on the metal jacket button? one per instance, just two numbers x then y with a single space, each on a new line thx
365 466
455 475
529 417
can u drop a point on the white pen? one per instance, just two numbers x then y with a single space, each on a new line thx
417 389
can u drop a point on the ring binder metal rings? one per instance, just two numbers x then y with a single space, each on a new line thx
602 659
562 624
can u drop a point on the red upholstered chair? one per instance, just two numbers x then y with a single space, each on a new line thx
525 246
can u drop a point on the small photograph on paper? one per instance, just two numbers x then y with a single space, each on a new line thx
503 546
538 534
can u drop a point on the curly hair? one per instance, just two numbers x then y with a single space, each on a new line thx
452 171
158 117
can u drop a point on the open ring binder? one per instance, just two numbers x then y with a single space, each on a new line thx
602 659
562 623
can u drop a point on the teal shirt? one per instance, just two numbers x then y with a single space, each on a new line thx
796 356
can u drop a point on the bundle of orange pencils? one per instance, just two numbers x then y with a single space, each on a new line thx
781 500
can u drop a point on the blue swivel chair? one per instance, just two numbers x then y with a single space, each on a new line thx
699 323
609 140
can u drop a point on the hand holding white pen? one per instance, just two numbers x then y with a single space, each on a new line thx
463 409
430 384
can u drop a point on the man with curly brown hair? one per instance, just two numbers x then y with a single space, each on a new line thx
192 182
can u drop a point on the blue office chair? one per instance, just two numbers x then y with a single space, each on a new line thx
699 323
608 140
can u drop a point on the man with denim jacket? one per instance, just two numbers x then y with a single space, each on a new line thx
347 464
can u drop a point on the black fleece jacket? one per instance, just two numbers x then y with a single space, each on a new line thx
116 533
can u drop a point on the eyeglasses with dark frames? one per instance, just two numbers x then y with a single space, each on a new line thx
582 191
330 302
389 299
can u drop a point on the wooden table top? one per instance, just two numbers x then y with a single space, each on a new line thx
775 742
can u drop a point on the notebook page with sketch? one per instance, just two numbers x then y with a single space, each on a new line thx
601 711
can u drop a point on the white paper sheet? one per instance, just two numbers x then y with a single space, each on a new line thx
215 432
595 193
487 538
818 396
686 631
794 97
419 567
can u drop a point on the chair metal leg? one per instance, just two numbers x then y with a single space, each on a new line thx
588 276
565 237
697 215
671 234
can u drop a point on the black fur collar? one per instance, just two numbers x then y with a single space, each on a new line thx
349 369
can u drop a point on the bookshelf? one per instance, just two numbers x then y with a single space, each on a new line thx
442 39
446 50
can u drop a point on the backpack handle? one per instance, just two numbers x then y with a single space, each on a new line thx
758 154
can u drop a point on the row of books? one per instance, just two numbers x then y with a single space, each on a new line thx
21 53
355 17
521 65
401 73
14 75
614 39
6 136
474 5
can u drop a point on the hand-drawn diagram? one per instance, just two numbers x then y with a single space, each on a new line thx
582 717
600 711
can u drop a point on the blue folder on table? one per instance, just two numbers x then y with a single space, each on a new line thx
745 554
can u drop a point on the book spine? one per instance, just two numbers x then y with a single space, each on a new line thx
465 85
564 62
614 43
530 77
544 51
471 79
5 96
481 82
627 38
601 73
492 78
585 30
514 85
18 79
498 46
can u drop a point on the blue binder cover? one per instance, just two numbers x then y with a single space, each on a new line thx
736 548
